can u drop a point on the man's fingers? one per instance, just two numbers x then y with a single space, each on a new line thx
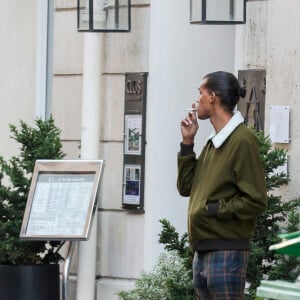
186 122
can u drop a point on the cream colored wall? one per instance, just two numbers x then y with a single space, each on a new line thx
255 34
67 75
272 41
283 77
180 55
18 63
120 235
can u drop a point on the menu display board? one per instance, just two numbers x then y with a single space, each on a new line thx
62 200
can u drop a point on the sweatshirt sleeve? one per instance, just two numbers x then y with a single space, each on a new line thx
186 163
249 175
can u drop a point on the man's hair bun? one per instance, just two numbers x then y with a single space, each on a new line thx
242 92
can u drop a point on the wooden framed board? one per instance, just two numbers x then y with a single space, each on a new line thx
62 200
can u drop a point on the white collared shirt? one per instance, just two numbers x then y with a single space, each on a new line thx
219 138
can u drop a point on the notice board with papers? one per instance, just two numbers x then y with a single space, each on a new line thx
62 200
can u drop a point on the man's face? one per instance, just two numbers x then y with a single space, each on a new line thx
203 102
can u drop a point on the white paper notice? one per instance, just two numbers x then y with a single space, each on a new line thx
279 123
133 134
60 204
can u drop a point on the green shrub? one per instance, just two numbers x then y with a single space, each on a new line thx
39 142
280 217
172 241
169 280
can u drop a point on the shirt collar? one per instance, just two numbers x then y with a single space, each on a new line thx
219 138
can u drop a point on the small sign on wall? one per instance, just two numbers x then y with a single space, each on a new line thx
132 187
134 141
280 123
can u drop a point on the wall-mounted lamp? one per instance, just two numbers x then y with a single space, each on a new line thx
103 15
218 11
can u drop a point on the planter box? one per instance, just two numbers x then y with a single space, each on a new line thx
29 282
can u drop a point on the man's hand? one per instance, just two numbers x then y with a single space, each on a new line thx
189 127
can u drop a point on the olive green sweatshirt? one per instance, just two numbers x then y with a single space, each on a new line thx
226 186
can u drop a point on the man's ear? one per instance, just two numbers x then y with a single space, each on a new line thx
212 97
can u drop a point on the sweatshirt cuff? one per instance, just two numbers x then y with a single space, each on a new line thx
186 149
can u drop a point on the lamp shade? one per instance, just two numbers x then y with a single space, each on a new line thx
103 15
218 11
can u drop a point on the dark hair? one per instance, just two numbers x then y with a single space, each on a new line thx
227 87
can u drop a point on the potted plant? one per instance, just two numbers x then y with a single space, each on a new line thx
26 263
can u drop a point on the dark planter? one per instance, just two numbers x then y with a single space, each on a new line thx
29 282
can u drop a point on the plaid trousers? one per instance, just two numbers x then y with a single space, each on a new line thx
220 275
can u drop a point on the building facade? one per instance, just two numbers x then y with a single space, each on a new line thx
41 74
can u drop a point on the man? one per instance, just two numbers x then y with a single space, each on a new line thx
226 186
